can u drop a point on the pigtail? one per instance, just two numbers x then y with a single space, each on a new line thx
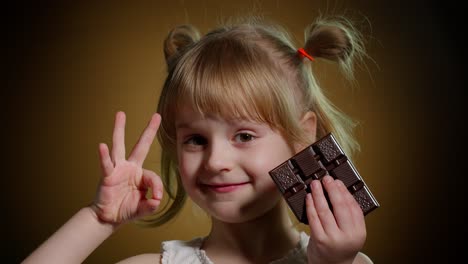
337 40
179 38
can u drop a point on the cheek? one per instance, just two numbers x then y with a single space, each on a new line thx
261 162
187 173
188 166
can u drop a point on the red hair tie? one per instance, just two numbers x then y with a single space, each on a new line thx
303 54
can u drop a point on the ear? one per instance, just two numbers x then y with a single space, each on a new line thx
309 124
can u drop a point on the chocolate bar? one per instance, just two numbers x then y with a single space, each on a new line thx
324 157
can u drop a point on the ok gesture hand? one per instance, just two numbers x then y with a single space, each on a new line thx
122 192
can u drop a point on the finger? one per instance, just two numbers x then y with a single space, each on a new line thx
147 206
316 228
143 145
357 215
105 159
357 226
150 181
153 181
323 210
337 193
118 138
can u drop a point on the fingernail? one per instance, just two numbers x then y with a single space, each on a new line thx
315 184
327 179
159 195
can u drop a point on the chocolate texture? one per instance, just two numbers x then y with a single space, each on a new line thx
324 157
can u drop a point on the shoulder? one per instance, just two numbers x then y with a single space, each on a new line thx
142 259
362 258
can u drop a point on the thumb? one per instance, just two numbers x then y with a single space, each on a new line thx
152 181
147 206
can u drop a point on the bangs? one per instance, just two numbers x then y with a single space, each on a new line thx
228 78
233 77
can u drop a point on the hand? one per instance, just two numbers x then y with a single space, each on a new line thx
334 237
122 193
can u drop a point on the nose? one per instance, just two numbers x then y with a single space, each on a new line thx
219 157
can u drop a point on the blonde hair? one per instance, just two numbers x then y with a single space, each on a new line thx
251 69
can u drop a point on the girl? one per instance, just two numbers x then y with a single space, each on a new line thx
236 103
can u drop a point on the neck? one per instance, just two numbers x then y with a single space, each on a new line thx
263 239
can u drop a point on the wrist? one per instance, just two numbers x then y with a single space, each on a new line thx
95 213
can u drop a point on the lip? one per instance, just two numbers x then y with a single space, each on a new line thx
225 187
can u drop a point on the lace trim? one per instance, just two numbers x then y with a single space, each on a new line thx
165 253
175 250
201 254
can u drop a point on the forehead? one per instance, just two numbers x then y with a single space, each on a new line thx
227 77
229 101
186 115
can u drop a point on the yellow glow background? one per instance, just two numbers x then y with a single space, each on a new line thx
72 66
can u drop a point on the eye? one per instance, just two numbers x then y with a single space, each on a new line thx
244 137
196 140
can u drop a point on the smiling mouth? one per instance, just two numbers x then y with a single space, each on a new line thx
225 188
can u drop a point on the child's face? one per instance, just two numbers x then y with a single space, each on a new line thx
224 164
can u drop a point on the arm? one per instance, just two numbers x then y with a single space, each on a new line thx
74 241
121 197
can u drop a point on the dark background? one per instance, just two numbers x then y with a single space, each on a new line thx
70 67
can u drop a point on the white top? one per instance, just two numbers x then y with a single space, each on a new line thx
189 252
